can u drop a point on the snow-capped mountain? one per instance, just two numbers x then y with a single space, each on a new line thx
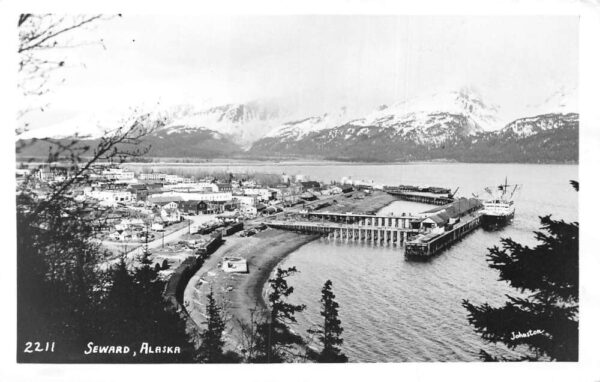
452 125
433 109
296 130
456 125
558 111
432 119
243 123
528 126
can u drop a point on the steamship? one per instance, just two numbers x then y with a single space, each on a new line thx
499 209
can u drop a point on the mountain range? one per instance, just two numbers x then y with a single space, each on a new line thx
452 125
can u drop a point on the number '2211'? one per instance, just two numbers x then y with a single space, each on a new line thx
31 347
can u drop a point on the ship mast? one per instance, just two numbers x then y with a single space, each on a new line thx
513 191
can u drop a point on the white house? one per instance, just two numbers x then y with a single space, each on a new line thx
155 176
157 227
170 213
262 193
110 198
118 174
174 179
198 196
245 200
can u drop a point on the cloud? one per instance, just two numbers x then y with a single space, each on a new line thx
317 63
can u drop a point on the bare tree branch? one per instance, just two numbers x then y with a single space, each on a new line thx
36 40
39 33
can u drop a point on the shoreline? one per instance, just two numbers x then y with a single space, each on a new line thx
305 162
239 294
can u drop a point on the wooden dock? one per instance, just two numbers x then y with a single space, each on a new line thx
423 235
419 197
427 245
380 234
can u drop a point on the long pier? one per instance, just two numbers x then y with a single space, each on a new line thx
350 232
404 221
390 229
423 235
428 245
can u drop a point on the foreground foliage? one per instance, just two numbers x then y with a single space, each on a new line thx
274 341
546 321
330 333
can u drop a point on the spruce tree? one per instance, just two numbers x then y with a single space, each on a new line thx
330 333
120 305
136 312
275 341
63 292
546 319
211 348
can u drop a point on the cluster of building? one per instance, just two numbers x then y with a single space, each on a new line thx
150 201
361 184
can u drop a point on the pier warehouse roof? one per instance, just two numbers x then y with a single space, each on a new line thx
458 207
440 218
463 206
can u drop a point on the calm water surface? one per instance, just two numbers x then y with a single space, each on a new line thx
394 310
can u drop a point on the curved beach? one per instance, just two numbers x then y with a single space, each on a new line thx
240 293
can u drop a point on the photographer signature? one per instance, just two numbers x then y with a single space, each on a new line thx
529 333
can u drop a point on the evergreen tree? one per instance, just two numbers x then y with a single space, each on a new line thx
546 320
330 333
275 341
63 294
211 348
119 315
136 312
57 282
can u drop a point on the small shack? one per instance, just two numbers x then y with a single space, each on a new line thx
235 265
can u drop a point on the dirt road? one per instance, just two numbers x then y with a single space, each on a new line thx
239 293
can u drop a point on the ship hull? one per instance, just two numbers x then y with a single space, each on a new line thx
495 222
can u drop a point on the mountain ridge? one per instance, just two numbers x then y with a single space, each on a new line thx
455 125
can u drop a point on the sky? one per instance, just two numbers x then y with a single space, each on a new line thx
311 64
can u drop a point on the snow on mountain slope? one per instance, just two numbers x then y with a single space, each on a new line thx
432 120
244 123
558 111
296 130
423 111
429 119
526 127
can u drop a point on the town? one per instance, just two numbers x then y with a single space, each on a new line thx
178 216
173 214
